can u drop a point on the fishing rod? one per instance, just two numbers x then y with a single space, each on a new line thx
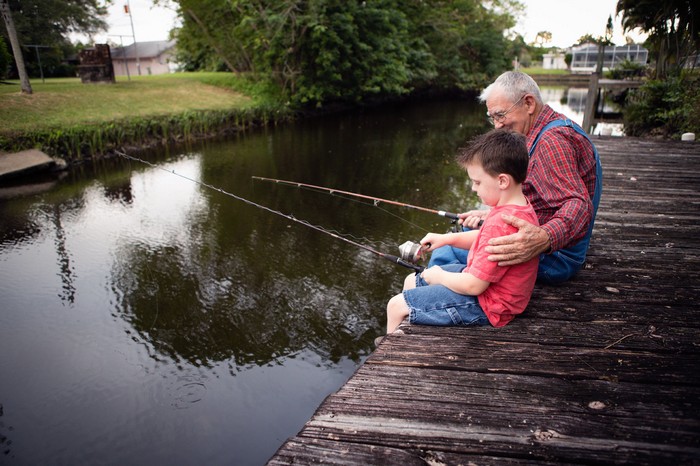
375 200
409 251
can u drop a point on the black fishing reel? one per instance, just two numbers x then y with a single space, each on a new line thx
411 252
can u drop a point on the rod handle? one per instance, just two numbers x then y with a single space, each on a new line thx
454 216
403 263
442 213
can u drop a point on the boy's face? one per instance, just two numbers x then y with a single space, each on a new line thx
486 186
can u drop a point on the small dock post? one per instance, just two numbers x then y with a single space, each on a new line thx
591 104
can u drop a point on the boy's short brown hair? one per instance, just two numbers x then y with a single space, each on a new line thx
498 151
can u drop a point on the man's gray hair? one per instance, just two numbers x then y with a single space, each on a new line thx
514 85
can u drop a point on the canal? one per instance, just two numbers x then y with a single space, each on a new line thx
146 318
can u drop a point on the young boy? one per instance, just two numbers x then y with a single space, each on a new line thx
483 292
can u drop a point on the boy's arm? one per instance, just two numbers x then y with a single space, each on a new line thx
463 240
459 282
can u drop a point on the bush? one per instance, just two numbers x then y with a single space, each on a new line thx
664 108
627 69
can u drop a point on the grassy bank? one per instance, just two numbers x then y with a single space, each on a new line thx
69 119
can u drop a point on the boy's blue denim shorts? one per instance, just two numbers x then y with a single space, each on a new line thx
440 306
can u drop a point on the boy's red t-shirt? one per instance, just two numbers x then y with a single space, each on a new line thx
510 287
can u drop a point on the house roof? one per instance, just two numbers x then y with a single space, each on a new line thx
149 49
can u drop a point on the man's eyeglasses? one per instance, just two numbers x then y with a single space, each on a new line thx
499 117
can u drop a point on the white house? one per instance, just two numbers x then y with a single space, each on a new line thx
553 61
144 58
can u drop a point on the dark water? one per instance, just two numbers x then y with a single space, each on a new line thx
147 319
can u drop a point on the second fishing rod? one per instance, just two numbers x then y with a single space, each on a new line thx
376 201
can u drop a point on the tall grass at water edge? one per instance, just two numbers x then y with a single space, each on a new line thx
72 120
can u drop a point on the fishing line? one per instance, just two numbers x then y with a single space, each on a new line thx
403 261
375 203
375 200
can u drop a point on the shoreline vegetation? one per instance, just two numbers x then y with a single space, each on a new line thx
77 122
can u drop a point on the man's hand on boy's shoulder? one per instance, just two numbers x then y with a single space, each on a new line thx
530 241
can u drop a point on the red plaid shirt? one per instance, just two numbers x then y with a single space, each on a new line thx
560 180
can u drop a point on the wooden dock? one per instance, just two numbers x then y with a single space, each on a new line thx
604 369
595 101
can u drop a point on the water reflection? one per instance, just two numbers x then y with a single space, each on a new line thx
228 281
572 103
138 307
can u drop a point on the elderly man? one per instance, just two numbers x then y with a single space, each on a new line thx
563 184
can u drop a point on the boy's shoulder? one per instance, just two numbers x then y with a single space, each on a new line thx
525 212
495 226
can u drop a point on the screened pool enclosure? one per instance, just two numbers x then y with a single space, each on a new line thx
585 57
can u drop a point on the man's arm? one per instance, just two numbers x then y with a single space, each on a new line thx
554 175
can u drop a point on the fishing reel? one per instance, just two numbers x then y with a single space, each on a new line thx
411 252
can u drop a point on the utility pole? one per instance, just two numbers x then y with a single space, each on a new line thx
133 35
16 48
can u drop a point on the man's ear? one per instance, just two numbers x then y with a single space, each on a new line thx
530 103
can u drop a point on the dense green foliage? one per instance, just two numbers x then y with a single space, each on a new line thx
664 107
321 52
673 27
47 24
669 103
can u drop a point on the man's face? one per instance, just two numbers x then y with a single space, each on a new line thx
505 113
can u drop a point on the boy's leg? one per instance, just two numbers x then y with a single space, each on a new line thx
396 311
438 305
433 305
448 255
396 308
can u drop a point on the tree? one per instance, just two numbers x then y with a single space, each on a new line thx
673 27
16 48
50 22
321 51
589 39
609 29
543 37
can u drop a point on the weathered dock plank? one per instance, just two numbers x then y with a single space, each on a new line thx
604 369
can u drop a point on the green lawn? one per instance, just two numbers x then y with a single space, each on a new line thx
66 102
539 70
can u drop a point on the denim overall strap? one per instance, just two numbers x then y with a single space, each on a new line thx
561 265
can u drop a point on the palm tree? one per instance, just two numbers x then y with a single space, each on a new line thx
673 27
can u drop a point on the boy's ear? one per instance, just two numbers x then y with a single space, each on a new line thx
503 181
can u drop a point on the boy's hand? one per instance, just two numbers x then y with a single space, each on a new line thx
432 241
432 275
472 218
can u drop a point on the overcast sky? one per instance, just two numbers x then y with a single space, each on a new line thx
567 20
